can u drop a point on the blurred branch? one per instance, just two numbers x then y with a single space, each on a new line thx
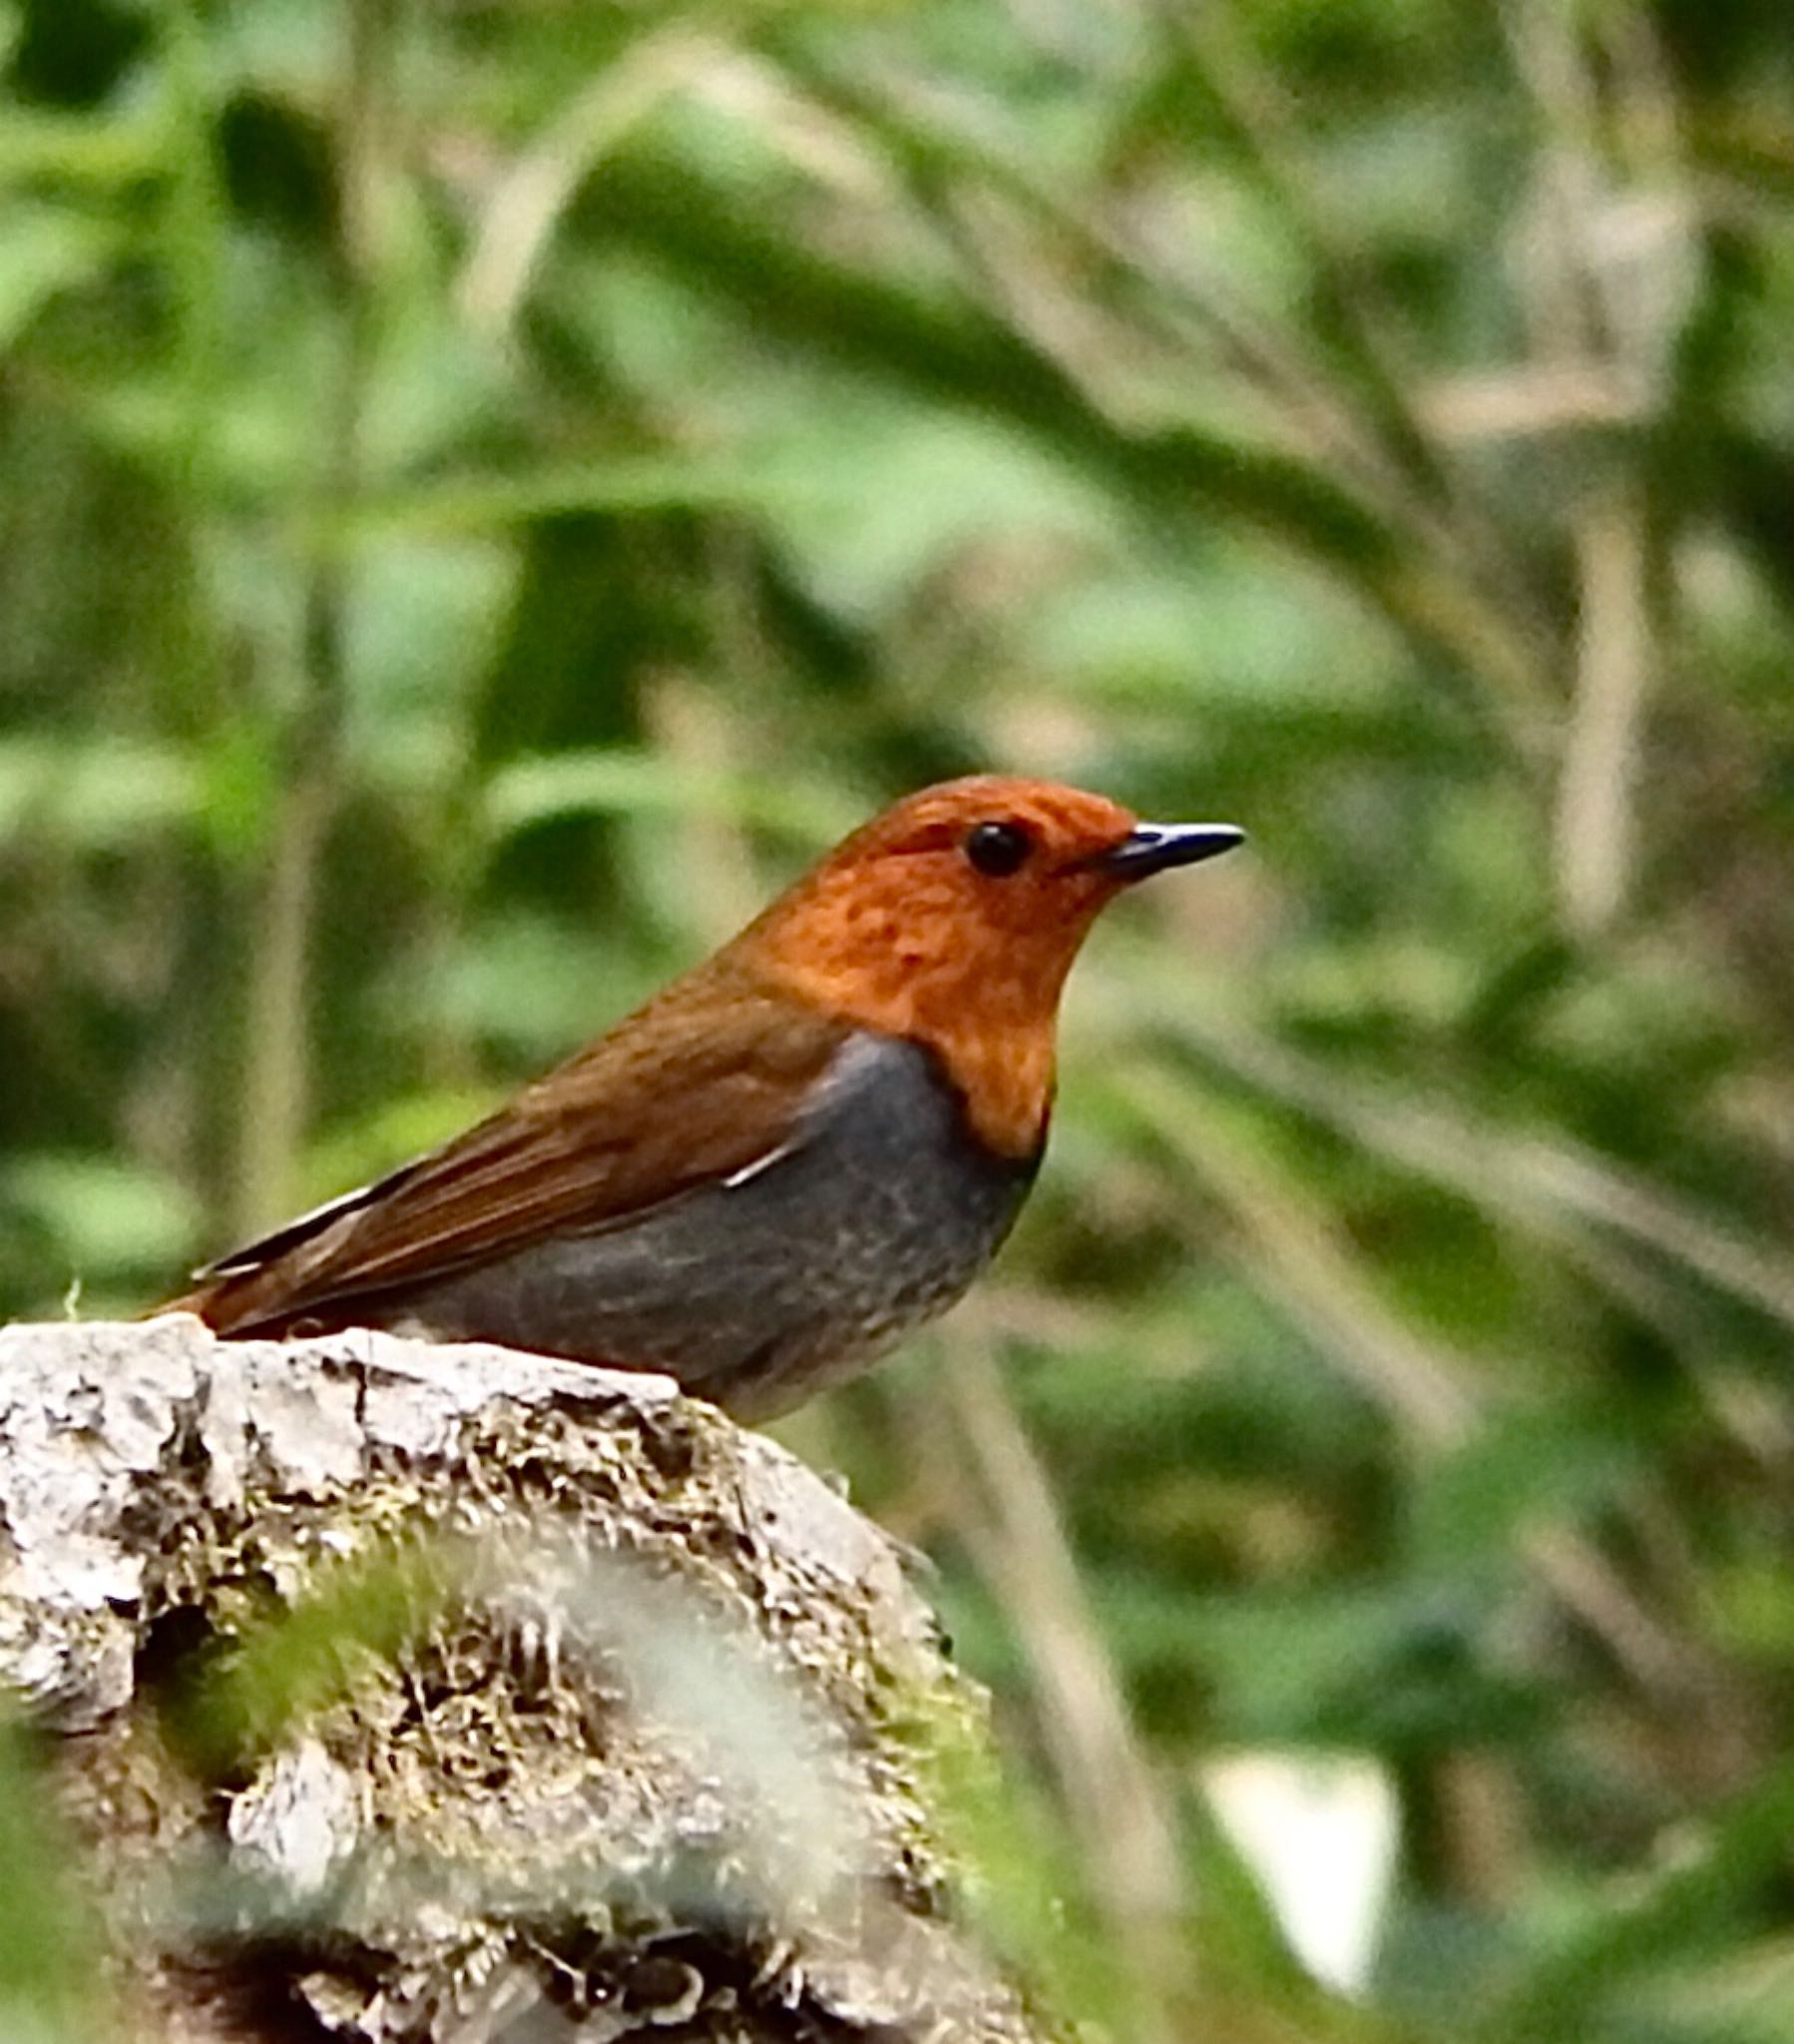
1297 1257
1527 401
1671 1669
947 143
1451 583
197 226
277 1085
1263 128
1011 1524
1544 1183
1481 1822
1607 272
1253 114
529 197
1596 788
1174 479
1428 1390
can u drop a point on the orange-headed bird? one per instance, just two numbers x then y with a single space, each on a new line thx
785 1161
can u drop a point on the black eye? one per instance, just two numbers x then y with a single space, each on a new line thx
998 848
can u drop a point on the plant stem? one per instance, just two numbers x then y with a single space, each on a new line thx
276 1090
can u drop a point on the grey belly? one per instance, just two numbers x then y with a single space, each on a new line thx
759 1293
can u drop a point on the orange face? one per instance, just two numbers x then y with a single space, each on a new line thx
953 919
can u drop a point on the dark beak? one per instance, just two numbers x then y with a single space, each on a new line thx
1152 847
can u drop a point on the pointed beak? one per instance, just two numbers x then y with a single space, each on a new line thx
1152 847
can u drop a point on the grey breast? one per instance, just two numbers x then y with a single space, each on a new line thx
876 1214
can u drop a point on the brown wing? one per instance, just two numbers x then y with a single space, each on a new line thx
707 1081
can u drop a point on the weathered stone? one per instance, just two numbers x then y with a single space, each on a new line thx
446 1693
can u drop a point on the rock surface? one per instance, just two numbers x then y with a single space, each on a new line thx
412 1692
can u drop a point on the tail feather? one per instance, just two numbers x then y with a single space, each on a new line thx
246 1304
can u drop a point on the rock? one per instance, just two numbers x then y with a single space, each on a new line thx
429 1693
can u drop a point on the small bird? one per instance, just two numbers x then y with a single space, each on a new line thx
784 1162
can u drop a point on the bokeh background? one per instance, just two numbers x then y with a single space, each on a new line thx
488 490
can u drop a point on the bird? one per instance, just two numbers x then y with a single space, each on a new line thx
782 1163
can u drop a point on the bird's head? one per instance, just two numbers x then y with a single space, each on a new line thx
953 919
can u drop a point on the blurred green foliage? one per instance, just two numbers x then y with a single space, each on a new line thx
489 489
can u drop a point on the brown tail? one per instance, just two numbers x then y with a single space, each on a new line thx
199 1304
237 1305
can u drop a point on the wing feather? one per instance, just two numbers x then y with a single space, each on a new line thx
707 1083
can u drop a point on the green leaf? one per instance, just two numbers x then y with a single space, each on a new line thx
111 1216
45 251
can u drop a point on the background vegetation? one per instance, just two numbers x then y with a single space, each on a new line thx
488 489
